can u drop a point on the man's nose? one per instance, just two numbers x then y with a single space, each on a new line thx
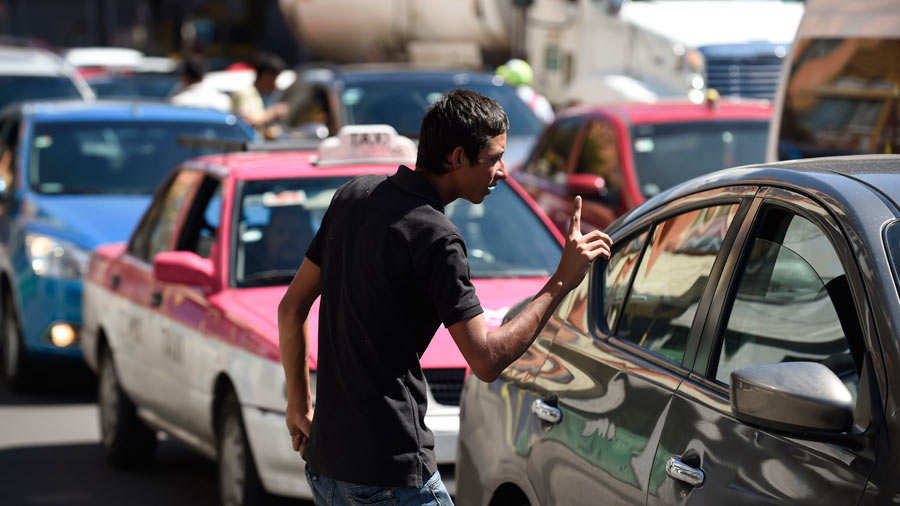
501 172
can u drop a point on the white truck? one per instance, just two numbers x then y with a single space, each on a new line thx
581 50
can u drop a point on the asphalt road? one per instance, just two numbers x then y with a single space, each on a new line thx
50 454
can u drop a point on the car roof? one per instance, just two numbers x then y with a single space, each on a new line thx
678 111
75 110
826 177
281 164
27 61
104 57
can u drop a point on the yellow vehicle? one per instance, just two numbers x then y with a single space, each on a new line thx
840 85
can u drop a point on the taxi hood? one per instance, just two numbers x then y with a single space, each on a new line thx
258 308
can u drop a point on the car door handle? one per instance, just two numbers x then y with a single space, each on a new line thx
678 470
546 412
114 282
156 299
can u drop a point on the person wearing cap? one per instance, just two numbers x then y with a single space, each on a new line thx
518 74
390 268
250 103
194 92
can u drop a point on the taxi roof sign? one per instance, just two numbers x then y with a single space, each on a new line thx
366 144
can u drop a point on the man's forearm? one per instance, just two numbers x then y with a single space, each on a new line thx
293 338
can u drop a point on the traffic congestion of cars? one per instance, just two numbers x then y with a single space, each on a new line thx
739 345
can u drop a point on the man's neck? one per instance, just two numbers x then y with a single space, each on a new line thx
443 184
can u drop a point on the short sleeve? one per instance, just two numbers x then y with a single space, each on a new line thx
443 271
314 251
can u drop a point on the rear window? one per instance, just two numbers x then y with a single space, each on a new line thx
23 88
841 98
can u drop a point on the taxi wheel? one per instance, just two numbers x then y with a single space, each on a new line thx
14 360
239 482
126 440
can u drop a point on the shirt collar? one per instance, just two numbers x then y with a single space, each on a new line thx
414 182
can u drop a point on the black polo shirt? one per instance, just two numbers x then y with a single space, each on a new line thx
393 269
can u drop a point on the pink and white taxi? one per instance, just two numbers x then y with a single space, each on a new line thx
180 322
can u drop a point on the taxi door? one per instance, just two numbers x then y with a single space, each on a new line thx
190 344
138 334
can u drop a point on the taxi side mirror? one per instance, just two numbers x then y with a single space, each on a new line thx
184 267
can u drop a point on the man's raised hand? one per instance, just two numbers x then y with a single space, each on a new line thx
580 250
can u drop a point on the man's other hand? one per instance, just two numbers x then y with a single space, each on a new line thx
580 250
299 424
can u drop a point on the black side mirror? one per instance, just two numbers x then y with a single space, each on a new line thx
795 398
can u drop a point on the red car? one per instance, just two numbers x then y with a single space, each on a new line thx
616 156
180 323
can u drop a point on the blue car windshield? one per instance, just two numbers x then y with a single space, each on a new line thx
403 104
22 88
136 86
108 157
278 218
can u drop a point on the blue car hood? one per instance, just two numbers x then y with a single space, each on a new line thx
89 220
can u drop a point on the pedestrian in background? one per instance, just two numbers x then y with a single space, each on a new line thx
518 74
194 92
250 103
391 267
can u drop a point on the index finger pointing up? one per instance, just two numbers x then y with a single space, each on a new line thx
575 224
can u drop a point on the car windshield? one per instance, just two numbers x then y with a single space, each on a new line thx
670 153
23 88
107 157
137 86
277 219
402 104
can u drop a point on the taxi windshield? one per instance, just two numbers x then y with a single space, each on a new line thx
403 105
667 154
277 219
108 157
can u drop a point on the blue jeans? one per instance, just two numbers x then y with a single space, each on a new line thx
327 491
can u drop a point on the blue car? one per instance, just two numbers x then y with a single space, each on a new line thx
74 175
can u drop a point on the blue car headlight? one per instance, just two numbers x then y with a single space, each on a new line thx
55 258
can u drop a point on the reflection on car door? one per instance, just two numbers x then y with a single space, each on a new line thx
613 386
788 299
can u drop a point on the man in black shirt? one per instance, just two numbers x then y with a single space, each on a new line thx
391 268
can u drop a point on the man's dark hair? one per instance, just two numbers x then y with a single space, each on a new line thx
459 118
193 67
268 62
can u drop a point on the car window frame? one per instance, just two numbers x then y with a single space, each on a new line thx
703 370
160 192
205 190
741 195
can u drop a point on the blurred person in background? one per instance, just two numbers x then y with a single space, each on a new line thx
252 103
518 74
193 92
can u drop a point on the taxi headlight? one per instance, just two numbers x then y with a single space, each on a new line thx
55 258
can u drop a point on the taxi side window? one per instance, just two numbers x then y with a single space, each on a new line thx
671 278
792 302
554 157
156 229
202 223
600 156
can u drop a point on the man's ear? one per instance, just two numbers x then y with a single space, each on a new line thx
457 157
